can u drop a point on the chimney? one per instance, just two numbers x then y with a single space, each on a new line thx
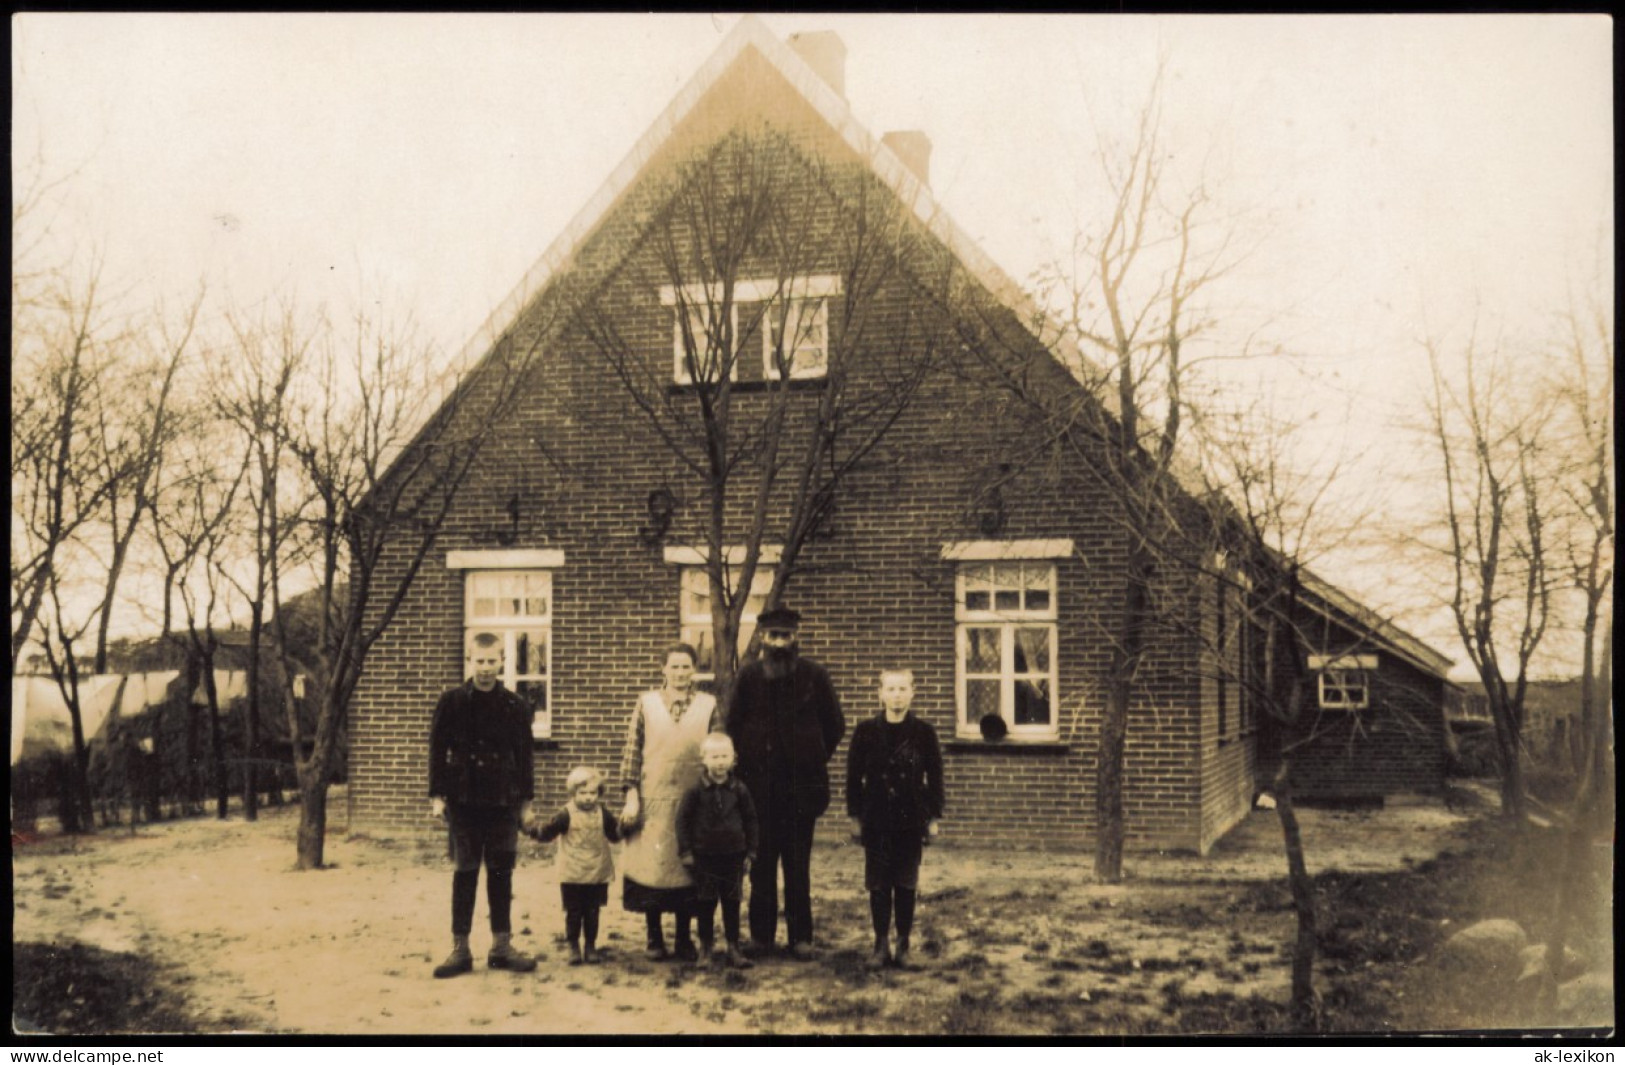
914 149
826 54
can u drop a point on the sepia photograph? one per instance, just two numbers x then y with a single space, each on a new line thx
804 527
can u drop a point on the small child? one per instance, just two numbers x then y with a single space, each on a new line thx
894 797
584 829
716 842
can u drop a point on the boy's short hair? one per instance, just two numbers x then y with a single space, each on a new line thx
584 775
485 639
718 739
896 671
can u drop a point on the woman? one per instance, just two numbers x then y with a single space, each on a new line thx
661 761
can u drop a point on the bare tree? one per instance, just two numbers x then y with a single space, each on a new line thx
264 363
60 352
1259 613
1495 509
776 268
1134 299
1583 551
135 429
375 483
192 526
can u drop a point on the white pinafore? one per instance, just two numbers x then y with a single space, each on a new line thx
671 765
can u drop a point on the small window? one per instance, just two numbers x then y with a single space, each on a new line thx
1344 680
695 619
517 607
1343 689
705 329
1005 643
802 326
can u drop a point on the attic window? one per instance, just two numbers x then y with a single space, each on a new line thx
802 325
790 315
706 333
1344 682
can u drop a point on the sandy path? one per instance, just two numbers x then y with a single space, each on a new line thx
349 949
346 949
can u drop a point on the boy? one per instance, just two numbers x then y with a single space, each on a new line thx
584 829
481 776
716 841
894 796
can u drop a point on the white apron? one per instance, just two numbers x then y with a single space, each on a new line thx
671 765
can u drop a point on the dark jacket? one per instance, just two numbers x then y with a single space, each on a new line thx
894 774
786 729
716 819
481 759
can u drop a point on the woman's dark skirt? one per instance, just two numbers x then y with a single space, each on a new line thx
639 898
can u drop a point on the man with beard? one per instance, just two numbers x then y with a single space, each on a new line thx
785 720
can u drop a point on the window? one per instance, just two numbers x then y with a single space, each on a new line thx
695 615
1005 647
517 606
803 324
793 311
1344 683
1229 653
705 327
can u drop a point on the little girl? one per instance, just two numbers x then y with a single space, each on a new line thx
584 829
894 797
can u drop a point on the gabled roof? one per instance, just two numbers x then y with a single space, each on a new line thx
752 34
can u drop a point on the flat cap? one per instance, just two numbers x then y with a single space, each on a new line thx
780 617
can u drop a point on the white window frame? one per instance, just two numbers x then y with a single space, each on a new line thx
679 354
691 563
788 316
976 574
1344 682
791 293
486 568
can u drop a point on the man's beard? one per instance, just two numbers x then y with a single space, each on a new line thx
778 660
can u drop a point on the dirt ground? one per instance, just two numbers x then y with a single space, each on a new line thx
204 926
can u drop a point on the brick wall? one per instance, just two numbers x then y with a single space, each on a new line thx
1395 745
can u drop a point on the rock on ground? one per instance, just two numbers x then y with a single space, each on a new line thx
1488 948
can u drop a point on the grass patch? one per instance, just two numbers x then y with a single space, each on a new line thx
74 989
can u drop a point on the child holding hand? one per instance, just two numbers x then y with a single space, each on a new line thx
894 796
716 841
584 829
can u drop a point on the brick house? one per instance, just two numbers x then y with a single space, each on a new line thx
578 538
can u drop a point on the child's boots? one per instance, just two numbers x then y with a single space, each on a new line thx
504 955
458 962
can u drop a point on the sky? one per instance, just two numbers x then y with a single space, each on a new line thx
1408 176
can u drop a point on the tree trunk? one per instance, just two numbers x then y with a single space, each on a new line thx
312 840
79 785
1512 804
251 719
1109 829
1305 1004
193 780
221 791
